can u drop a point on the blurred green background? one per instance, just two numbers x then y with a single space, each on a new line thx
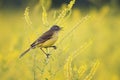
102 28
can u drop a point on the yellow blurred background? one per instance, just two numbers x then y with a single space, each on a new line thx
87 49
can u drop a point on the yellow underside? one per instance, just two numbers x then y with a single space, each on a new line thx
49 42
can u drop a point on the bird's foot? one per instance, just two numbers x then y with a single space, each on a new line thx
54 47
48 55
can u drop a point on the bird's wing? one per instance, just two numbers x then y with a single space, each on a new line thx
46 36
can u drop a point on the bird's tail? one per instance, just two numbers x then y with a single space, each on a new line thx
24 52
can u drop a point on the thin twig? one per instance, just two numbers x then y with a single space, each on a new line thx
76 26
34 66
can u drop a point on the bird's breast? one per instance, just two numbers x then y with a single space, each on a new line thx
51 41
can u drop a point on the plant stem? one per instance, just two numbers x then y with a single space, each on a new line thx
34 66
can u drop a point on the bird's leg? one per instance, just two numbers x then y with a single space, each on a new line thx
45 53
54 47
47 49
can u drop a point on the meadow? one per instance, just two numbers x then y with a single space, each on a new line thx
87 48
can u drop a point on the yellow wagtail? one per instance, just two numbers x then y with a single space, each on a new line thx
45 41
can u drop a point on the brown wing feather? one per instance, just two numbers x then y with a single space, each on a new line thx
46 36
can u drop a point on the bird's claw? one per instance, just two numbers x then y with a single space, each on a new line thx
54 47
48 55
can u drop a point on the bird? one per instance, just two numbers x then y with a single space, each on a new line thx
46 40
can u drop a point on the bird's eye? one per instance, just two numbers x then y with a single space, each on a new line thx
56 28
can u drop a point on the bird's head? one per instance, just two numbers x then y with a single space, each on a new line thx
55 28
